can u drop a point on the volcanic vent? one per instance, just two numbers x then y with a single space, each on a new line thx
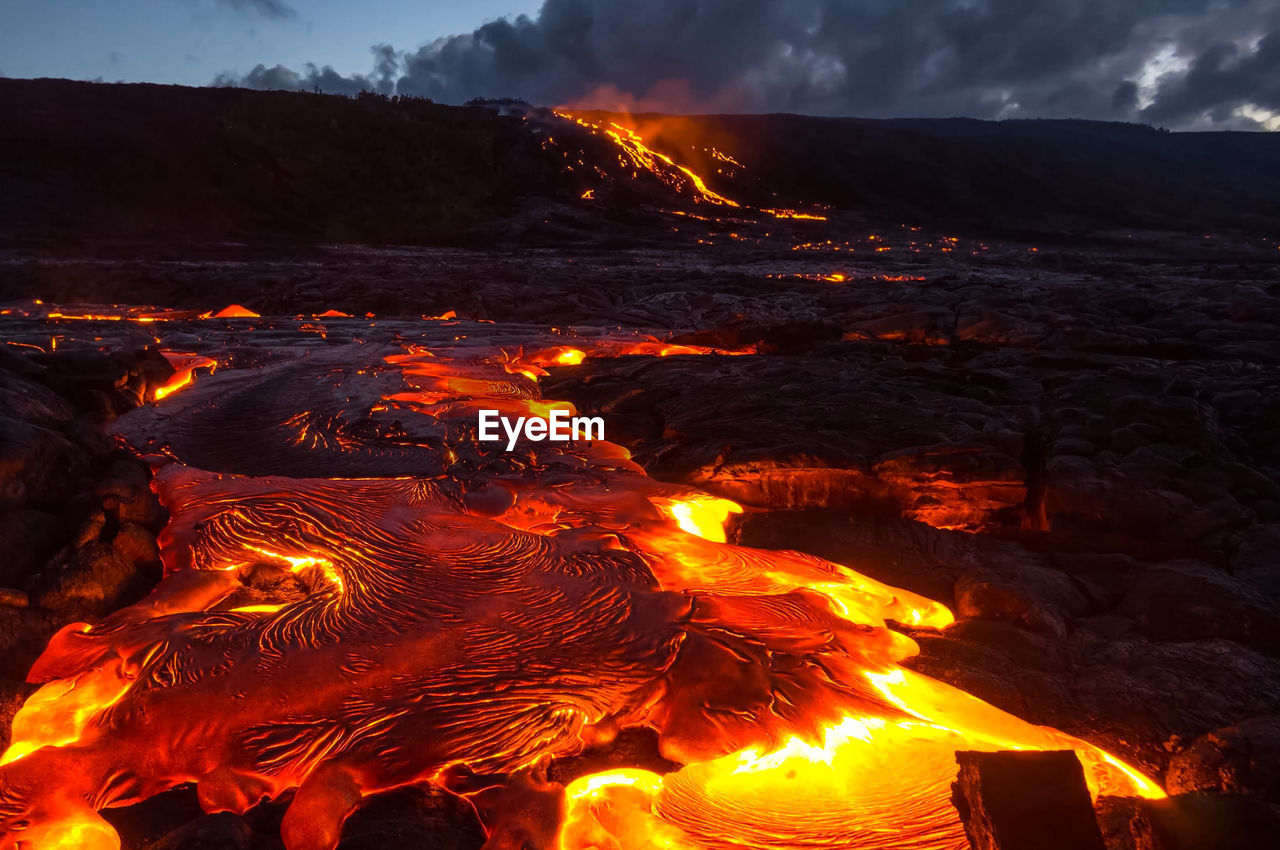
359 595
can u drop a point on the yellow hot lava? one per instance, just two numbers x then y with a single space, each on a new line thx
184 365
57 714
865 782
702 515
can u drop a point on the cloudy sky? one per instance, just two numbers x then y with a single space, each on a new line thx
1184 64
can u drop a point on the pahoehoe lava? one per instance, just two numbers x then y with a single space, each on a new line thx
359 596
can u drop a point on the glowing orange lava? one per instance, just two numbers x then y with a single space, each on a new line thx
234 311
184 365
639 156
795 214
482 614
566 355
643 158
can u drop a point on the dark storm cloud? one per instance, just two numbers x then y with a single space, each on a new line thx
1178 62
1222 79
266 8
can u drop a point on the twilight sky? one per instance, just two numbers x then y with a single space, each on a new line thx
1184 64
192 41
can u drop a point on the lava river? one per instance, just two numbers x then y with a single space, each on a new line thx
359 595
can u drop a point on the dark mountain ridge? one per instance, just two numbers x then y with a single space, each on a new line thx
84 161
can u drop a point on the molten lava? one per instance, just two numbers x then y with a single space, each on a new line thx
640 157
234 311
637 155
184 366
359 595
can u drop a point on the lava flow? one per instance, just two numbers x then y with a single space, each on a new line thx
360 595
184 366
636 155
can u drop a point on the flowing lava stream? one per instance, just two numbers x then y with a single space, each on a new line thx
360 595
636 154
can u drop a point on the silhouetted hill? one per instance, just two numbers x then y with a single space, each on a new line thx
1034 174
82 160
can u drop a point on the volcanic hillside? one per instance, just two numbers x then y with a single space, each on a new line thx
88 161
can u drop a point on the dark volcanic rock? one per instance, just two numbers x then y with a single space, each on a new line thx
852 432
1021 800
23 635
1188 822
137 546
27 540
1239 759
1037 598
114 559
631 748
413 817
221 831
91 582
1256 559
125 491
1107 685
39 467
104 385
1191 601
1014 669
25 399
1136 694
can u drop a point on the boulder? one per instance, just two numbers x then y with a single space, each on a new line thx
221 831
1188 600
1188 822
39 467
413 817
27 539
1033 597
1025 801
91 582
1240 759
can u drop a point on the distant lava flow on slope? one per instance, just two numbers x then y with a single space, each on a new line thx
360 595
636 156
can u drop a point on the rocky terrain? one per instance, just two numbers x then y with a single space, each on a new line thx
1070 438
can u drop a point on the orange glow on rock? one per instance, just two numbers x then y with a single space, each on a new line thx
795 214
